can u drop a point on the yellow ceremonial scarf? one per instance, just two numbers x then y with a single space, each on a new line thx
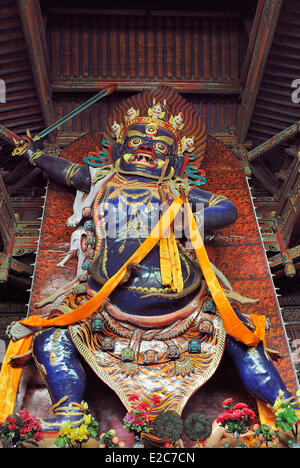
10 376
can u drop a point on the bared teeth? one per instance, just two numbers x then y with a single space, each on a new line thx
145 158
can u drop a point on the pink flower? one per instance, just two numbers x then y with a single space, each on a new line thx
129 417
227 402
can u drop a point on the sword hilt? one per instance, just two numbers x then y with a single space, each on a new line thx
23 145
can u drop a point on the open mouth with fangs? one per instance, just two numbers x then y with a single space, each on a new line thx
144 157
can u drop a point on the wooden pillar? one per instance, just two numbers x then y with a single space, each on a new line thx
264 37
33 27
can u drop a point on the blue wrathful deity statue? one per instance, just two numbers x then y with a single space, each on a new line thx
159 330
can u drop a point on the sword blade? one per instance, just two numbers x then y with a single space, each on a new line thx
77 110
10 136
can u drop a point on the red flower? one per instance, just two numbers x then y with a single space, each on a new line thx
12 427
37 426
249 413
156 399
38 436
237 414
23 432
239 406
227 402
138 421
143 406
10 419
133 397
224 416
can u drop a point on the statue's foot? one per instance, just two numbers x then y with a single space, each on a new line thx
73 413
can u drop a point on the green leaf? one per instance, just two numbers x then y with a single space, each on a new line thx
283 425
95 425
61 441
290 415
93 432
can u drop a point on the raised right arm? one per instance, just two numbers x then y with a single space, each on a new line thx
60 170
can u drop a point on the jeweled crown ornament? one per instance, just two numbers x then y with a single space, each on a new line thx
161 108
156 117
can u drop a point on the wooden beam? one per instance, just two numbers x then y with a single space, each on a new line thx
276 140
144 12
203 87
261 49
251 43
33 27
24 180
281 137
294 254
265 176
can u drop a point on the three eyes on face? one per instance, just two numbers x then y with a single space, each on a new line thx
159 146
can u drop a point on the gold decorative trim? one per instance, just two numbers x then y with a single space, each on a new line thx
56 423
71 172
35 156
215 200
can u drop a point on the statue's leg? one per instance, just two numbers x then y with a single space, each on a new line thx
257 372
58 362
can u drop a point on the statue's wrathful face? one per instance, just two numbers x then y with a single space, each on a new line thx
145 149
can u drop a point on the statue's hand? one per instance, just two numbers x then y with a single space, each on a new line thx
72 221
26 146
15 331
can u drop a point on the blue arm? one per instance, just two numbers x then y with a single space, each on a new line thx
217 210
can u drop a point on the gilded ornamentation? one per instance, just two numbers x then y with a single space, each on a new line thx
55 338
184 367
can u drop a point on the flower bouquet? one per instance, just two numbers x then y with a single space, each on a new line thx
138 418
73 437
236 419
18 428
